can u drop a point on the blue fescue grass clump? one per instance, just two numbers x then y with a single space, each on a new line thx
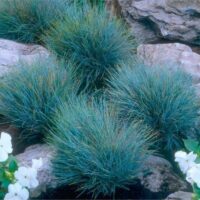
26 20
162 99
93 152
30 95
94 40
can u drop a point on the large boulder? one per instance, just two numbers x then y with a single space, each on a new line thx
151 20
12 52
173 55
158 173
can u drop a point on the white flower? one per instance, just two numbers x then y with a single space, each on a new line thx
185 161
193 175
16 192
5 146
37 163
27 177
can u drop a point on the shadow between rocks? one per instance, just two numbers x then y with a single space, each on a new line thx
136 191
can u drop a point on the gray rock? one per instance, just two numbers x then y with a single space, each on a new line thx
161 177
180 196
151 20
12 52
45 177
173 55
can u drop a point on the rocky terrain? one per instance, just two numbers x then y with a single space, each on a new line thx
167 32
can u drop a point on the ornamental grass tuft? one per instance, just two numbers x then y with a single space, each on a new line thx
26 20
30 95
94 40
163 99
93 152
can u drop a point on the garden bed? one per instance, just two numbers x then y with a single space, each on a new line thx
87 112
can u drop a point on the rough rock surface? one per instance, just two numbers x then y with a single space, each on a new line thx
11 52
168 19
172 55
46 180
161 177
180 196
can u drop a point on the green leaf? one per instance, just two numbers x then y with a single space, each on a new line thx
5 183
5 177
194 197
196 191
191 145
2 194
12 167
1 174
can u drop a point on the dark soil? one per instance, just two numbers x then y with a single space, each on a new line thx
135 192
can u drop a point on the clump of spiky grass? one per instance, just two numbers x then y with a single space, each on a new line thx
96 42
163 99
26 20
30 95
93 151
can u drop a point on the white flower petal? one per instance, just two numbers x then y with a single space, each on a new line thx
33 172
34 183
3 155
184 167
191 156
16 192
24 194
180 154
5 142
5 137
22 176
20 172
185 161
27 177
12 188
8 147
37 163
193 174
8 196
